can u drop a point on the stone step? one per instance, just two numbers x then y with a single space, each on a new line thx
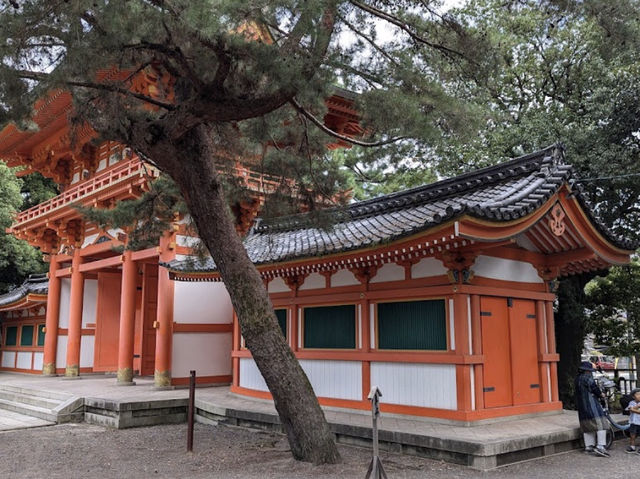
30 399
29 410
59 396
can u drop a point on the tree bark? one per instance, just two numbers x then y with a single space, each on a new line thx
570 333
191 163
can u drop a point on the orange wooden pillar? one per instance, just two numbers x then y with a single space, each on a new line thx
75 316
51 323
164 321
235 361
542 350
551 348
365 310
127 320
462 343
476 341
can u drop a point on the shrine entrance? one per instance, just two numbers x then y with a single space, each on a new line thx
509 344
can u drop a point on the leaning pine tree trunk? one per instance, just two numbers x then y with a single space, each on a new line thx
303 420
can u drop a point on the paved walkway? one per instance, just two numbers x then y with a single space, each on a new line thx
10 420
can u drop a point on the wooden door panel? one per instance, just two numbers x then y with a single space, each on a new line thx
107 322
497 355
524 352
149 309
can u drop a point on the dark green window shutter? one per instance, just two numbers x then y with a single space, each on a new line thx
418 325
281 315
26 336
12 336
330 327
41 335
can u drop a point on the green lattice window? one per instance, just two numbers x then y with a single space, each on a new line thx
281 316
41 335
413 325
330 327
26 336
12 336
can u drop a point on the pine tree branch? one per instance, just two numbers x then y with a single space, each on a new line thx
40 76
337 135
404 27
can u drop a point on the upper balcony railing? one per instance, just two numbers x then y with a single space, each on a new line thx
87 189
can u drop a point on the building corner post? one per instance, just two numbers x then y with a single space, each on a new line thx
164 319
75 317
51 321
127 320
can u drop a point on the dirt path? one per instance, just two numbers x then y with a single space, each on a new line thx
84 451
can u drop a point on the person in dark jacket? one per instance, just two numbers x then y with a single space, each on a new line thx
593 422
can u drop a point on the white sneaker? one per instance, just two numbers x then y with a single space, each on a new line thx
601 451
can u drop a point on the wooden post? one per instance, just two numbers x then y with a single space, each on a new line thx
74 335
191 412
51 325
375 471
127 320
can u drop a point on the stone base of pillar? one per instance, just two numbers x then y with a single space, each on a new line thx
125 377
49 369
162 379
72 372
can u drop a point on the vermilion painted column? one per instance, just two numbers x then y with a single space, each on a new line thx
463 341
51 323
476 340
164 321
543 366
127 320
75 317
551 348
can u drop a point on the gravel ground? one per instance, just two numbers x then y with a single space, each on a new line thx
84 451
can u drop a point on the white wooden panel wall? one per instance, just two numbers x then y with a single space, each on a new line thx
65 296
8 359
61 353
277 285
24 360
209 354
506 269
201 302
335 379
37 361
250 376
89 302
89 239
86 351
423 385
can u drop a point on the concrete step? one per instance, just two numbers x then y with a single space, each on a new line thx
56 395
30 399
29 410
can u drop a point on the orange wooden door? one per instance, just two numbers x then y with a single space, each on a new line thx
524 351
149 308
107 322
494 316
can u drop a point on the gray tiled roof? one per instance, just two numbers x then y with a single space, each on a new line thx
499 193
35 284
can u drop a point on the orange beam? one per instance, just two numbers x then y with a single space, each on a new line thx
102 263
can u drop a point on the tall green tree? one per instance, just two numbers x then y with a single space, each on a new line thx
234 76
17 258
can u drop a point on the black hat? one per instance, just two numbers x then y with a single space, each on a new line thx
586 366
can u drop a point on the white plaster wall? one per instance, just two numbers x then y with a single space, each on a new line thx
8 359
38 359
113 232
201 302
89 302
42 311
188 241
313 281
76 178
344 277
61 353
389 272
209 354
523 241
505 269
335 379
422 385
86 351
24 360
277 285
102 165
428 267
250 376
65 297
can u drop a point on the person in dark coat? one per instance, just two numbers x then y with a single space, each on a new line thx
593 422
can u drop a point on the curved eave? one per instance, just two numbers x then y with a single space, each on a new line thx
31 299
483 230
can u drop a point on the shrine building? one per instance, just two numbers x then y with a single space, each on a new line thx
441 295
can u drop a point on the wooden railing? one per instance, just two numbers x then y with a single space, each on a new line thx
75 194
